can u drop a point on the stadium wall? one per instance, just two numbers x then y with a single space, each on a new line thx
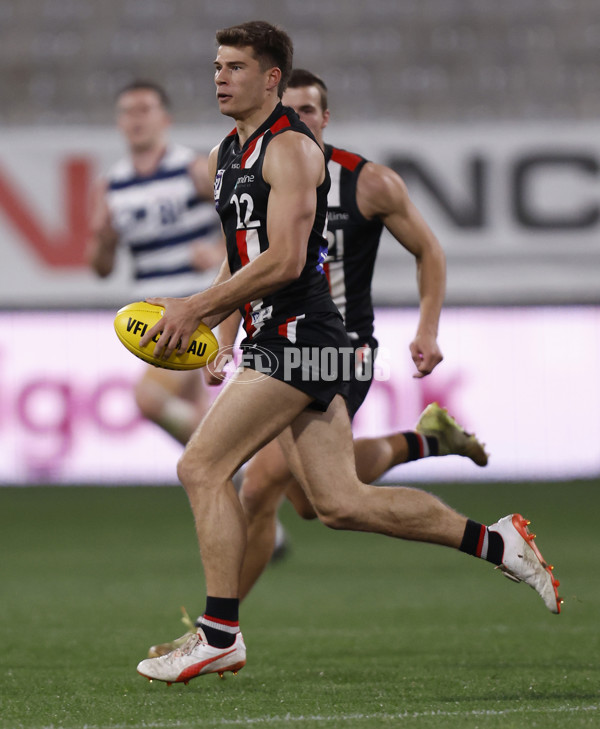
516 208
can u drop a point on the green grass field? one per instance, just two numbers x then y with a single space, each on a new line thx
350 630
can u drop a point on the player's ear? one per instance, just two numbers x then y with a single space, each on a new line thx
273 78
326 116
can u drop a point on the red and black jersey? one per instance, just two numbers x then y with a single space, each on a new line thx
353 243
241 197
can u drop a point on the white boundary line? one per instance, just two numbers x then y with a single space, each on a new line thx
290 719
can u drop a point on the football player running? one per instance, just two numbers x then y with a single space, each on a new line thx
271 185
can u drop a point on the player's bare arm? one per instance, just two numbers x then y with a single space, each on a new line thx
102 245
223 275
206 254
227 334
382 193
199 172
290 215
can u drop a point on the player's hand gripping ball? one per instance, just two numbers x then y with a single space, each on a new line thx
132 322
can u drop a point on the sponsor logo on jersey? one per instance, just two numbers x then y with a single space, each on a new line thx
244 180
337 216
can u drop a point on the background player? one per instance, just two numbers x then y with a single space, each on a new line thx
157 202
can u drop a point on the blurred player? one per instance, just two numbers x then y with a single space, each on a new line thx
157 202
271 185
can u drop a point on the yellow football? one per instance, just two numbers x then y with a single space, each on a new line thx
134 320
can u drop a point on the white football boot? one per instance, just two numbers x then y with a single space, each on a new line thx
522 560
195 658
452 439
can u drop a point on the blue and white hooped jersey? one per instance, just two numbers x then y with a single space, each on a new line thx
159 217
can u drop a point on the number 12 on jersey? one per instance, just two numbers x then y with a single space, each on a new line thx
245 222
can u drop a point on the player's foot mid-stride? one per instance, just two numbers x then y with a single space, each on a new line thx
195 658
522 561
452 439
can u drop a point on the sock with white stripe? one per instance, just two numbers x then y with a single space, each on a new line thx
220 621
479 541
420 446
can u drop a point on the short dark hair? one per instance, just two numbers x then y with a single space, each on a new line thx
145 85
271 46
300 77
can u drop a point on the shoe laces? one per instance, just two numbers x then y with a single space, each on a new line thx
186 648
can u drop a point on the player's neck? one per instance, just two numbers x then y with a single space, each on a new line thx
145 160
247 125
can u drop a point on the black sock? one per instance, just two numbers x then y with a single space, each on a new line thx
220 621
420 446
479 541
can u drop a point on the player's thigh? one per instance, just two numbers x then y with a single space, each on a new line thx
320 452
265 477
248 413
267 468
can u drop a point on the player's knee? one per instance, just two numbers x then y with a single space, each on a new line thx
144 403
297 497
150 399
305 510
193 473
335 514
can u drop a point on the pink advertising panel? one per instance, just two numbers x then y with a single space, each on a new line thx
524 379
